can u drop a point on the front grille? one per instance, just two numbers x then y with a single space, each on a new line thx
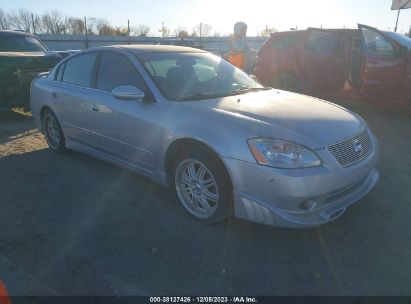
27 75
351 151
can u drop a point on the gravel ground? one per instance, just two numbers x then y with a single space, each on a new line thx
73 225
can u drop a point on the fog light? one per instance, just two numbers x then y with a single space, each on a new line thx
309 204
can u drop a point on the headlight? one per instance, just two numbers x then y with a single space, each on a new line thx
282 154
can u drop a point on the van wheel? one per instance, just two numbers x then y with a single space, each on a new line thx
52 132
287 81
203 186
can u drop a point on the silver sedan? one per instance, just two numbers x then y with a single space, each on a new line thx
228 146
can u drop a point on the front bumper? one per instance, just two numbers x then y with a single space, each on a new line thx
300 198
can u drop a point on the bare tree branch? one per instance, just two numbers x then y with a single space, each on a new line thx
4 20
140 30
75 26
21 20
203 29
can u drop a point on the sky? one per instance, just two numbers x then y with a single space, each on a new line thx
222 14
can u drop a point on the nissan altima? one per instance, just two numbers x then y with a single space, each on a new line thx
227 145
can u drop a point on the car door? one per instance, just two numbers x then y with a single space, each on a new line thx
124 128
383 68
324 60
71 93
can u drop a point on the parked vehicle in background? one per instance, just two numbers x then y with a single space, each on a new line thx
22 57
178 42
190 120
364 64
188 43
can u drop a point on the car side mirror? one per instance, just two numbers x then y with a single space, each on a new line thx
128 93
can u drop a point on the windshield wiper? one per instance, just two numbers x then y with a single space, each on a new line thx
247 90
199 96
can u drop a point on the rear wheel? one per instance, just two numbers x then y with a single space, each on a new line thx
203 186
287 81
52 132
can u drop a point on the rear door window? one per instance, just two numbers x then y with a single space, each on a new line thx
79 70
322 42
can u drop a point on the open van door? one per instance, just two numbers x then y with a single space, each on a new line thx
383 67
324 59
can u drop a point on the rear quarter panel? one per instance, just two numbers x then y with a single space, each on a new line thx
40 96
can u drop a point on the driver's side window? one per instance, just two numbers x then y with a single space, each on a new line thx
116 70
376 44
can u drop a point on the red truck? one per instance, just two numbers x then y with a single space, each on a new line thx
361 64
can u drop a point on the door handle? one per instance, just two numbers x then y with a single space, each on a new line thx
54 94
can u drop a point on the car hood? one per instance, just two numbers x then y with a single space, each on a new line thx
33 54
279 114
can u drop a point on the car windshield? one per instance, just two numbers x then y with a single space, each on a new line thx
404 40
196 76
21 44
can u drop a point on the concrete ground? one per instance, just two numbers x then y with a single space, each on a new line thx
74 225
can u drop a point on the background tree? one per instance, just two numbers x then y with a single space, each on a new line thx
37 25
102 27
75 26
183 34
106 29
140 30
4 20
267 31
120 31
194 33
91 26
21 20
203 29
54 23
181 31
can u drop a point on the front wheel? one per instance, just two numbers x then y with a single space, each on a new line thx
52 132
203 186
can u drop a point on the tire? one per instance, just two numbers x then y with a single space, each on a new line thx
53 132
288 82
206 193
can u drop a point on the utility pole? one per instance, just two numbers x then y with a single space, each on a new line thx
398 15
201 33
32 24
128 30
162 29
85 28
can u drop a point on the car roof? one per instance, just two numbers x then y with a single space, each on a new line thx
176 39
149 48
315 28
14 33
